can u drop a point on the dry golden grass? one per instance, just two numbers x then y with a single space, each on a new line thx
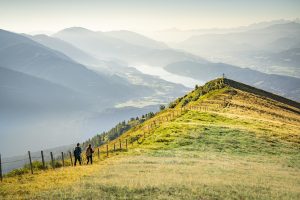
263 108
207 176
21 186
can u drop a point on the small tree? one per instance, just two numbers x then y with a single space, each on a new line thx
150 115
162 107
172 105
185 101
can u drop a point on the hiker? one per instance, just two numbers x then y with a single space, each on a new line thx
89 154
77 154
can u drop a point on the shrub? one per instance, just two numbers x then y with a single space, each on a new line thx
57 164
134 138
37 165
196 97
17 172
185 101
162 107
172 105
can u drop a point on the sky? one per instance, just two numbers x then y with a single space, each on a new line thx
143 15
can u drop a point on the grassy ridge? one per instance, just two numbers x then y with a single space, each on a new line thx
233 152
184 159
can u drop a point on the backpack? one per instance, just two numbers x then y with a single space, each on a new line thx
89 151
77 151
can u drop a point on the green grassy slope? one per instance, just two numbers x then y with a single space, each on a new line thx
217 142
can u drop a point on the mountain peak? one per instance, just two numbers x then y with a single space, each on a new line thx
262 93
223 93
75 29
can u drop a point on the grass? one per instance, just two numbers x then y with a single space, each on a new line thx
198 155
192 157
164 177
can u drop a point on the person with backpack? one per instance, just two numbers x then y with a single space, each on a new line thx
77 154
89 154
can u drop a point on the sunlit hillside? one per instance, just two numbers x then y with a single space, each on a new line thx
223 140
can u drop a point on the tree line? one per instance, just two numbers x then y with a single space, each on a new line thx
117 130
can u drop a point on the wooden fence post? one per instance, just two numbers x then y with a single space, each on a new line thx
71 158
1 169
52 161
43 160
120 144
107 150
30 162
126 144
114 147
98 153
62 158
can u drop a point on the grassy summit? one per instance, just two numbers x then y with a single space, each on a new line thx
224 140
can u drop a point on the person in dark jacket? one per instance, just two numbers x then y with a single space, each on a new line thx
77 154
89 154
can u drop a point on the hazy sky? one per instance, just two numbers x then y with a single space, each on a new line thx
53 15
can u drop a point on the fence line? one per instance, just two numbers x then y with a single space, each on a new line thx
146 129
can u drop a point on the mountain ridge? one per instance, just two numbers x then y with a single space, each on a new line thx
279 84
257 91
219 141
225 97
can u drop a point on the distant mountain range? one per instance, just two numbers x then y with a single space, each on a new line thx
50 91
136 39
24 55
68 49
21 92
126 46
254 48
180 62
175 35
283 85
